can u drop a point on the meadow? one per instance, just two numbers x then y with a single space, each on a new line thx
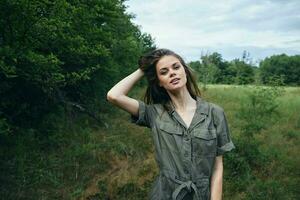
114 160
266 168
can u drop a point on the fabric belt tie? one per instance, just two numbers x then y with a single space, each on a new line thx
183 189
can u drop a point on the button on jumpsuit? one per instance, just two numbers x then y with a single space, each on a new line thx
185 155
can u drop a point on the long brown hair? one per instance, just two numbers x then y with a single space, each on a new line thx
154 93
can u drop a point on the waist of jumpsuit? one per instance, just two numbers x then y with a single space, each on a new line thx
187 186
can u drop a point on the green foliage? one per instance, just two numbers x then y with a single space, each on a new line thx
270 189
264 163
126 143
239 170
38 164
291 134
244 73
63 162
286 68
61 52
282 69
243 163
130 190
213 69
5 128
260 105
57 61
256 113
59 58
102 185
208 68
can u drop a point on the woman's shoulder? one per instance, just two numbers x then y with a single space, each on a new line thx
213 107
216 107
215 111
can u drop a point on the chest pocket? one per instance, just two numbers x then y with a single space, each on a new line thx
170 136
170 128
205 142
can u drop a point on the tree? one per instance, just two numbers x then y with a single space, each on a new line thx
282 67
60 52
244 73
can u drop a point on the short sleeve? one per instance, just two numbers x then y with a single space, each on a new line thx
145 115
224 142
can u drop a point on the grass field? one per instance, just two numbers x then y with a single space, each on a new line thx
83 160
132 167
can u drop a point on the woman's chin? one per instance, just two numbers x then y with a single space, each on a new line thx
176 88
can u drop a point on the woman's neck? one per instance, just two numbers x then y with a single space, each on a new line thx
182 100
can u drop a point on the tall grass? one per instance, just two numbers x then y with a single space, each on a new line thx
257 169
264 165
80 160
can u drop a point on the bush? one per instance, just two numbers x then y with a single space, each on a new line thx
258 109
256 113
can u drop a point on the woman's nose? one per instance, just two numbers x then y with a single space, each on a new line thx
172 73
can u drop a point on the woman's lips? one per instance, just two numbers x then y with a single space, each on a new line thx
175 81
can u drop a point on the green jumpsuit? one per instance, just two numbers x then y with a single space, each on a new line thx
185 155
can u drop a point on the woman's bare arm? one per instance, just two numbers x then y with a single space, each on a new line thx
118 93
217 179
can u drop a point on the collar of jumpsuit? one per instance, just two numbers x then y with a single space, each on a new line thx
185 155
201 108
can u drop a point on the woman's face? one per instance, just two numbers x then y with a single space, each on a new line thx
170 73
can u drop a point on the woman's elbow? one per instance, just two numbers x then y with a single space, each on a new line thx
111 97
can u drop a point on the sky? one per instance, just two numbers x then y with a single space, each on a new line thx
193 28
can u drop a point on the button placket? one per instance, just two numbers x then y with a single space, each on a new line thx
186 152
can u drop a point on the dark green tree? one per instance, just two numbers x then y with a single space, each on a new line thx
61 52
57 60
243 72
284 68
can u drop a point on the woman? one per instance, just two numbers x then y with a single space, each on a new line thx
190 134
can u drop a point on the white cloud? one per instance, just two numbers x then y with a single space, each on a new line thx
191 27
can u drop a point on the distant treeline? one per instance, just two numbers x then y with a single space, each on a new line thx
277 69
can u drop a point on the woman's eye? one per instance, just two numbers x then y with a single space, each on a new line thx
176 66
163 72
